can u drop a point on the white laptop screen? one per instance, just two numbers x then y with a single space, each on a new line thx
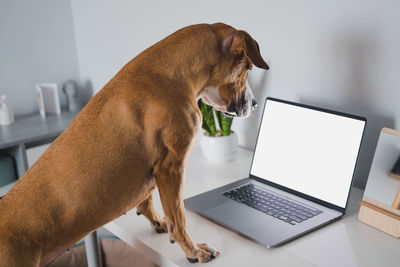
307 150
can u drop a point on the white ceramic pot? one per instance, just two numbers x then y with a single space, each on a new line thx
219 148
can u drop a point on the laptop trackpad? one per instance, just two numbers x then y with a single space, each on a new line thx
235 215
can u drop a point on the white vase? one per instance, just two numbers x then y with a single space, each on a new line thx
219 148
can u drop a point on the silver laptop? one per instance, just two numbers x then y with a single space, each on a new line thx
300 178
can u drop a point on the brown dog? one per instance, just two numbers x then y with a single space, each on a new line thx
134 135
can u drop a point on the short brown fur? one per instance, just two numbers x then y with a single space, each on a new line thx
134 135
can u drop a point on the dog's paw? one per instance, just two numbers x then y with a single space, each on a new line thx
160 226
203 253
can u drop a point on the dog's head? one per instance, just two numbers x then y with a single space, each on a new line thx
227 90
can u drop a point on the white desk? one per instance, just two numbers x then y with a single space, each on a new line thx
346 242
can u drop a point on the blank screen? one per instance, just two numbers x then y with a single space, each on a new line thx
310 151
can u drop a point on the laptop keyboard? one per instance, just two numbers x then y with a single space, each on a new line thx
284 209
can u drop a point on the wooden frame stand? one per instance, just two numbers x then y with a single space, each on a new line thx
376 208
380 216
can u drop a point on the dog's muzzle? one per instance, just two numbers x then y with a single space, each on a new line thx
237 109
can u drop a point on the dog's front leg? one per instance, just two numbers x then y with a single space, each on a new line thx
170 180
147 209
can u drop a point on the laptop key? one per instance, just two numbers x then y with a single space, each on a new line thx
307 215
283 218
295 218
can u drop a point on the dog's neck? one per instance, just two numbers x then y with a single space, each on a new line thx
184 59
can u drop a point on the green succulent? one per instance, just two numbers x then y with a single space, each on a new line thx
208 124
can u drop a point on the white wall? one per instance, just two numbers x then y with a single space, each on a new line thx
342 54
37 44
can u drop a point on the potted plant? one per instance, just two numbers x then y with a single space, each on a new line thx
218 145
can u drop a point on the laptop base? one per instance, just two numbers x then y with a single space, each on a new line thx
252 223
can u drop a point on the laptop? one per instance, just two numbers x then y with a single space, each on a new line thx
300 177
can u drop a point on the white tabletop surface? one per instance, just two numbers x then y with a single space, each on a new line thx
347 242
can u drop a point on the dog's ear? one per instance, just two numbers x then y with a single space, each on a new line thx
230 42
239 40
253 51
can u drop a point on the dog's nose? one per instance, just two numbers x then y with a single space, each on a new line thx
254 104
